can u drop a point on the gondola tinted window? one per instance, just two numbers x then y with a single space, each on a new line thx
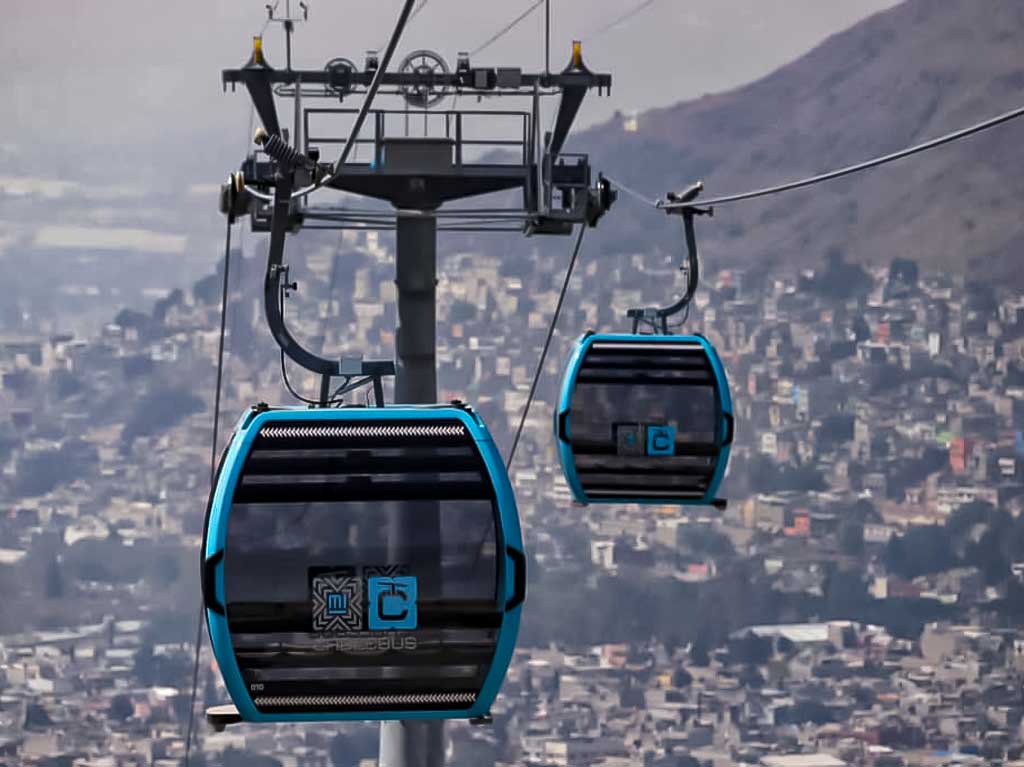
605 411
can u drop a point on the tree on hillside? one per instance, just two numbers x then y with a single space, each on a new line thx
347 749
164 305
961 521
130 318
681 678
840 279
750 678
36 717
989 556
922 550
145 665
66 384
121 708
706 541
237 757
699 653
207 290
54 587
904 271
845 593
851 539
158 410
41 471
750 649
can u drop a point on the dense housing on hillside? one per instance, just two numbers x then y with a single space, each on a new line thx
872 412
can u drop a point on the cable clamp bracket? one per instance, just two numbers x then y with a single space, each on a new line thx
287 288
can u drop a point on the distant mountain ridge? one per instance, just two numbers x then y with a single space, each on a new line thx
902 76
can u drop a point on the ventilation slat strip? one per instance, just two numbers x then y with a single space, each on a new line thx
589 451
668 363
331 659
613 379
366 431
652 348
335 701
357 462
591 472
395 685
353 491
640 492
614 479
273 618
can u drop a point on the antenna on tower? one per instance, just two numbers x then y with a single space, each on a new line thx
288 22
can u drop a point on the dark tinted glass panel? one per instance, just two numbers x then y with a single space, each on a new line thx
644 420
361 570
599 410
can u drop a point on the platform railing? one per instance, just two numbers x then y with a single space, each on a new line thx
451 125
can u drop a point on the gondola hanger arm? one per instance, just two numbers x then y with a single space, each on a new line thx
275 289
681 204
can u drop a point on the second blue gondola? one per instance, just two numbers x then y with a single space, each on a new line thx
362 563
644 419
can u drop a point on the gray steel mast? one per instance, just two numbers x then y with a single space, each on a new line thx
415 743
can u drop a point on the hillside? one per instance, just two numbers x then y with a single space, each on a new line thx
902 76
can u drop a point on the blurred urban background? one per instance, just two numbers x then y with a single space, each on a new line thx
859 602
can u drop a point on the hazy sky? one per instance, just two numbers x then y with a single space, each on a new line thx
108 71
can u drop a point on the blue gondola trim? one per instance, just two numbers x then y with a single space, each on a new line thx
509 530
725 402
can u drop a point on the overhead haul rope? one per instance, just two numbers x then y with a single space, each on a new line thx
517 20
500 34
849 169
213 475
652 202
620 19
415 12
507 28
547 344
364 108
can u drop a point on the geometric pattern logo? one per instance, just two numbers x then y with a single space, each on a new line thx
337 603
392 603
627 439
661 440
375 571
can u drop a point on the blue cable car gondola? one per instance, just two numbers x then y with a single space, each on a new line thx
644 419
648 418
362 563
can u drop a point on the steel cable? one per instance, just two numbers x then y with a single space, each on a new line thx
547 344
213 475
849 169
507 28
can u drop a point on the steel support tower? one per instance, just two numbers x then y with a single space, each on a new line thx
419 172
